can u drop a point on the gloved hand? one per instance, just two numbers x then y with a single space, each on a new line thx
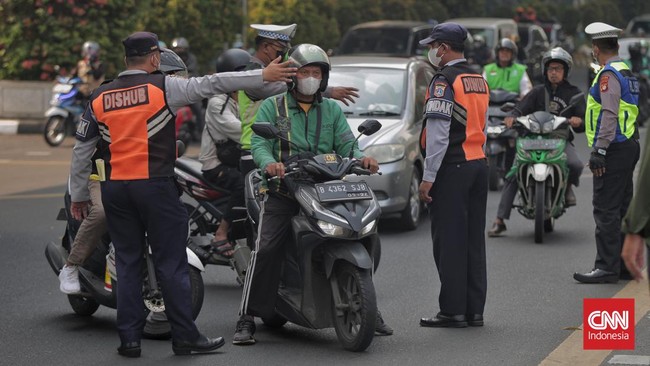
597 161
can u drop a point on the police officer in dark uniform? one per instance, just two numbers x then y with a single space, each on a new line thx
455 183
610 122
131 120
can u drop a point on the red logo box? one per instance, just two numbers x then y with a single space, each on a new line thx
608 324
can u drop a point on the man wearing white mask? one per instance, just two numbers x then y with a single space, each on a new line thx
454 182
312 124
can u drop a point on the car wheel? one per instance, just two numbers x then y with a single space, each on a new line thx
410 216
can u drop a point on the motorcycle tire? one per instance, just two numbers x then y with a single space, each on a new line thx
410 216
85 306
540 193
354 318
55 130
494 178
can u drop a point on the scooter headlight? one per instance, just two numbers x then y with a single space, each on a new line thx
332 229
368 228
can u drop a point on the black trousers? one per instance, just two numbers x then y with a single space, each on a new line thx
458 232
612 195
231 179
265 267
150 206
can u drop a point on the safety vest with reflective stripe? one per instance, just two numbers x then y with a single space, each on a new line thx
628 109
138 136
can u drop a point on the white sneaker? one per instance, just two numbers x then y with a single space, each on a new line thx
69 278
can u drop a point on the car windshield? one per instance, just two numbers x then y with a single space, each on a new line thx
375 40
381 91
487 34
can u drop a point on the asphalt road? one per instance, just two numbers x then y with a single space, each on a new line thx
533 303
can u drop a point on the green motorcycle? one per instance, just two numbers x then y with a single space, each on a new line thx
541 169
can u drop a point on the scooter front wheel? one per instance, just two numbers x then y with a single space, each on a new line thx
54 131
540 193
355 315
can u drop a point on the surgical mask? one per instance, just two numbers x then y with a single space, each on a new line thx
435 60
308 86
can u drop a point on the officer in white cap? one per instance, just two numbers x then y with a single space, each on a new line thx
610 127
272 41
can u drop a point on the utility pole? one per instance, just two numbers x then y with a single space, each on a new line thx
244 25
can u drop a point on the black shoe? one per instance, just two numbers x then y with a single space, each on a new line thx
445 321
201 345
475 320
596 276
569 197
244 331
381 328
496 229
130 349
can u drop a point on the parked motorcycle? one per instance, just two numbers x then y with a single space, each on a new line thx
98 276
327 276
66 108
500 139
541 170
206 211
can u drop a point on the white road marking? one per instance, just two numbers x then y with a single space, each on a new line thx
629 360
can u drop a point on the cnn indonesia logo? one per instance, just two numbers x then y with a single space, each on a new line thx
608 324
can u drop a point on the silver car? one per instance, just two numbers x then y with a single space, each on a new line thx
392 90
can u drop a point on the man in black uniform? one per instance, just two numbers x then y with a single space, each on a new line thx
131 121
455 181
553 96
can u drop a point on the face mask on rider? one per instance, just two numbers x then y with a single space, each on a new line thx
435 60
308 86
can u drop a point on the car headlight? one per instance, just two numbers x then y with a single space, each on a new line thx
332 229
385 153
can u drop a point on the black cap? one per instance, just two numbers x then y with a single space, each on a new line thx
450 32
140 44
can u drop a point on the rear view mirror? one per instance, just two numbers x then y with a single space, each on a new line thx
507 107
369 126
266 130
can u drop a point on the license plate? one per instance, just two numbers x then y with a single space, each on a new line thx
542 144
341 191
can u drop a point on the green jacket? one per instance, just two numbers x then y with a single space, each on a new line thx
300 128
506 78
637 219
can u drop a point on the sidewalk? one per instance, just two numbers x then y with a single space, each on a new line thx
21 126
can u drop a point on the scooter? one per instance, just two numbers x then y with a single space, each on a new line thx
541 167
205 210
66 108
98 277
327 272
500 139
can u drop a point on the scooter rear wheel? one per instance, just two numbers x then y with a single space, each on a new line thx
54 131
355 317
85 306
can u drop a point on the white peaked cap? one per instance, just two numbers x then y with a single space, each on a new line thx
272 31
598 30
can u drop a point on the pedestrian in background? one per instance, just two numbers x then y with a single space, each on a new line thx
130 120
455 183
610 123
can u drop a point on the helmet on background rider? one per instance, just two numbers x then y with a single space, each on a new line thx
180 44
234 59
507 43
479 40
309 54
557 54
172 64
90 49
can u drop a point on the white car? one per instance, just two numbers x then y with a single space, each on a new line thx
392 90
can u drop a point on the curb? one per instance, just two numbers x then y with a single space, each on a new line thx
21 126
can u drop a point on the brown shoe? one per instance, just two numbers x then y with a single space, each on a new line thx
496 230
